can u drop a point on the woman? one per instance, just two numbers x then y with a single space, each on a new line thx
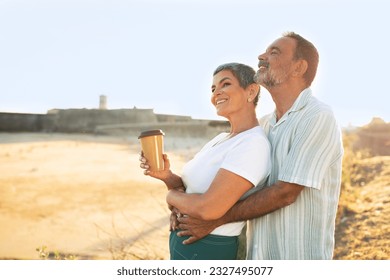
224 170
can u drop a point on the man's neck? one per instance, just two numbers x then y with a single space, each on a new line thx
284 97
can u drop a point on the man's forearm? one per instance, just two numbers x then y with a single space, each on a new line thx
263 202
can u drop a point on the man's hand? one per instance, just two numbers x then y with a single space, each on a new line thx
173 222
195 228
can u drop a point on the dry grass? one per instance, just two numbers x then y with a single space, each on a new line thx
363 227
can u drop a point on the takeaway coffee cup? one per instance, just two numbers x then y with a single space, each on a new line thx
152 143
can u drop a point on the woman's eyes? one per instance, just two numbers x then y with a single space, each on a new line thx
222 86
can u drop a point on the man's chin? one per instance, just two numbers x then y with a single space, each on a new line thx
260 81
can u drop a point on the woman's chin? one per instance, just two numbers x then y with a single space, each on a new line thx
221 114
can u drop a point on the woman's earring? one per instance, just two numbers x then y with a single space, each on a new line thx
249 100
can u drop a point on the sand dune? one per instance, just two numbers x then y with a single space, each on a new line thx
82 195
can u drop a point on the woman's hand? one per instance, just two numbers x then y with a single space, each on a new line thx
171 180
163 175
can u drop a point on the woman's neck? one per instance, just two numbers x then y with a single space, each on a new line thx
243 124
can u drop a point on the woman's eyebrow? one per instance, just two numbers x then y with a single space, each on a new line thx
224 79
221 81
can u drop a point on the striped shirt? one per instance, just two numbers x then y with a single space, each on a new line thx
306 149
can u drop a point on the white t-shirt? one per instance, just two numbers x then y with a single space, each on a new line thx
246 154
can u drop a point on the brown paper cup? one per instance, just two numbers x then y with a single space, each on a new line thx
152 143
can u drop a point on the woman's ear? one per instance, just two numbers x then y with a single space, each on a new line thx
254 90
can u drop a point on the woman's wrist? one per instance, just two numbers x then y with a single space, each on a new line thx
174 182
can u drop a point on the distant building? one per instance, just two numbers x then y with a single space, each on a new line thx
103 102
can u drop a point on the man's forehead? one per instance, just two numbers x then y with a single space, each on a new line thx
282 43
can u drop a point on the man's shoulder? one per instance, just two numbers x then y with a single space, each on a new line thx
316 107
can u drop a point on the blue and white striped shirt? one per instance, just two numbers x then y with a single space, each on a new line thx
307 149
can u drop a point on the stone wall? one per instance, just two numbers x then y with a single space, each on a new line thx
121 121
83 120
190 129
14 122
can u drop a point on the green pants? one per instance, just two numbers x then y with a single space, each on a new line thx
211 247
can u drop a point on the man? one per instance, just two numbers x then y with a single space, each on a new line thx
293 217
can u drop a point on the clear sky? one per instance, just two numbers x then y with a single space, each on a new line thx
160 54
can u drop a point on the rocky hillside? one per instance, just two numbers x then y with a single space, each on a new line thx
363 227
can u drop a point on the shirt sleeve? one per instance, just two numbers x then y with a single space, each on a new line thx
316 146
250 158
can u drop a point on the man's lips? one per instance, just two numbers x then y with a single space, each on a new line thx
263 64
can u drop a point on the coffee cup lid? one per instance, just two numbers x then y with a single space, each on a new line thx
151 133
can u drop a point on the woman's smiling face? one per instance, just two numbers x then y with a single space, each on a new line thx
228 96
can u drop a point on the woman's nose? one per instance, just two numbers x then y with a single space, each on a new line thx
217 92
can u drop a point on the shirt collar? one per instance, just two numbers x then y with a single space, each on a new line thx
299 103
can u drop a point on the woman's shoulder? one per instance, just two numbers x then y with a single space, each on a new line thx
255 132
253 136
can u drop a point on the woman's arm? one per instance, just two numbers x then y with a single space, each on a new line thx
225 190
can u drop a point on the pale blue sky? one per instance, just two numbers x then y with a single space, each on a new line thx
161 54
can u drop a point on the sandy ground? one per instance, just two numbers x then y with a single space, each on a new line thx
85 197
82 196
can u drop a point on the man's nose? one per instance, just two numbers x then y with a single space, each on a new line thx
261 56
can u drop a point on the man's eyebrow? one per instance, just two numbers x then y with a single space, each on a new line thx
272 48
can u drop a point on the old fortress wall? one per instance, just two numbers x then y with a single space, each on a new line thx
110 122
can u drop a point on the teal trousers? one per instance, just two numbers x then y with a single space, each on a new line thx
211 247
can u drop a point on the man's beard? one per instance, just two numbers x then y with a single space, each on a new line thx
270 78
